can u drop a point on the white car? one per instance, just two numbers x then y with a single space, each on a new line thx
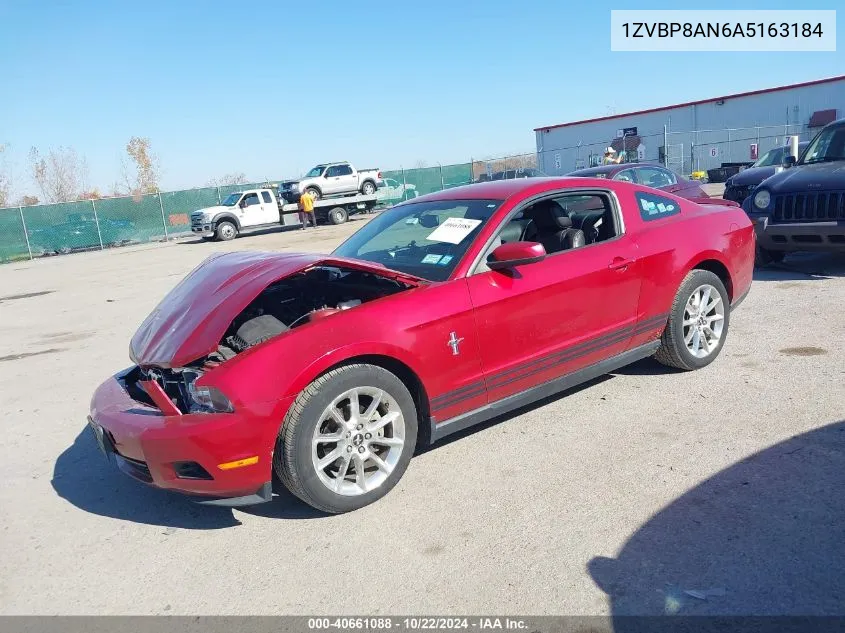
394 191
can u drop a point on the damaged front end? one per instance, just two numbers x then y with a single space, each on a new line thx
201 325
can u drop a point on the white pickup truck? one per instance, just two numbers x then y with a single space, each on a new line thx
262 208
333 179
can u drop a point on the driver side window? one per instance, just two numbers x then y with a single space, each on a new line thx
560 224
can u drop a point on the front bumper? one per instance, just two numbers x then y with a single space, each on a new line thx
183 452
738 193
799 236
202 227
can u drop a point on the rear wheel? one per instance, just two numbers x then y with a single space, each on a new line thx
763 256
368 189
698 323
338 215
226 231
347 439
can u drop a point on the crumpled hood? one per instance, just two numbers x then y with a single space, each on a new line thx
813 177
751 176
192 318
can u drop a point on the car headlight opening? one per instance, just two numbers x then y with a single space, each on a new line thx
762 199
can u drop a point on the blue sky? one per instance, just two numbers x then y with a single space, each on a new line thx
271 88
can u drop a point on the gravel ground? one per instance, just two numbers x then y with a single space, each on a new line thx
616 498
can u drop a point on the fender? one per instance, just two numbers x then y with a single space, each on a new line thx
368 180
225 215
711 255
347 352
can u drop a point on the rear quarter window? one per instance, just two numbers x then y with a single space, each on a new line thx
654 207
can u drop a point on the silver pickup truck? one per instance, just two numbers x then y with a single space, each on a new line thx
333 179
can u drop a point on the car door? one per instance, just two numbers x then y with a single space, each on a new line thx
249 210
339 179
331 180
269 208
571 310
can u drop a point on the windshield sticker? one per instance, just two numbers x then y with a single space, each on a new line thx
453 230
445 260
654 207
431 259
412 221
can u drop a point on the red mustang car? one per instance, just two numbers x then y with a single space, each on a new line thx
440 313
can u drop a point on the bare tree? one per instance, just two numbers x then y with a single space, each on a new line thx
26 201
237 178
143 175
5 178
61 175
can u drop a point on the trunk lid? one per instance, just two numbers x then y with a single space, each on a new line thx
192 318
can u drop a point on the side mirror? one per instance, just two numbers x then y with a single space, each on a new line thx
514 254
789 160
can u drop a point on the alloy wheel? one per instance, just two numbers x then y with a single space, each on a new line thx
358 441
704 320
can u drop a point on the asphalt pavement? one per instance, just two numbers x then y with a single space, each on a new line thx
645 491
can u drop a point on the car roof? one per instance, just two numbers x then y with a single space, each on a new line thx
503 189
611 169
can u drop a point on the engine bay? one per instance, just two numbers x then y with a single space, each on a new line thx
289 303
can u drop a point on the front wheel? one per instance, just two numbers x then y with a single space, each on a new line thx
347 439
698 323
368 189
314 193
226 231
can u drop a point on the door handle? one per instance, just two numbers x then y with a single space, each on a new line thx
620 263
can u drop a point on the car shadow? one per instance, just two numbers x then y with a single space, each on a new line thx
84 478
763 537
803 266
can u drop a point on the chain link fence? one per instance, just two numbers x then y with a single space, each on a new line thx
684 152
704 150
36 231
67 227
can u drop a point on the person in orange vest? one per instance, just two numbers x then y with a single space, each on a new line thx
306 210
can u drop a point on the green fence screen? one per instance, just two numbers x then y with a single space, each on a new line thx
97 224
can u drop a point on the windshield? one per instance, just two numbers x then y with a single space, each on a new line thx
315 172
829 145
231 200
424 239
772 157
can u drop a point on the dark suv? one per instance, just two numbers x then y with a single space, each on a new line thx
803 208
739 186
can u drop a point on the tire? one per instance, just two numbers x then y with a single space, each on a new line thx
675 351
226 231
297 455
763 257
368 188
315 193
338 215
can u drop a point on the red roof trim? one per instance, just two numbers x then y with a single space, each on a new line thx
691 103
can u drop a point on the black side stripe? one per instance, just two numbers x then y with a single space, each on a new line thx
571 354
525 371
457 392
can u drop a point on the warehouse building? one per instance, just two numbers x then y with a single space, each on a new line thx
699 135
